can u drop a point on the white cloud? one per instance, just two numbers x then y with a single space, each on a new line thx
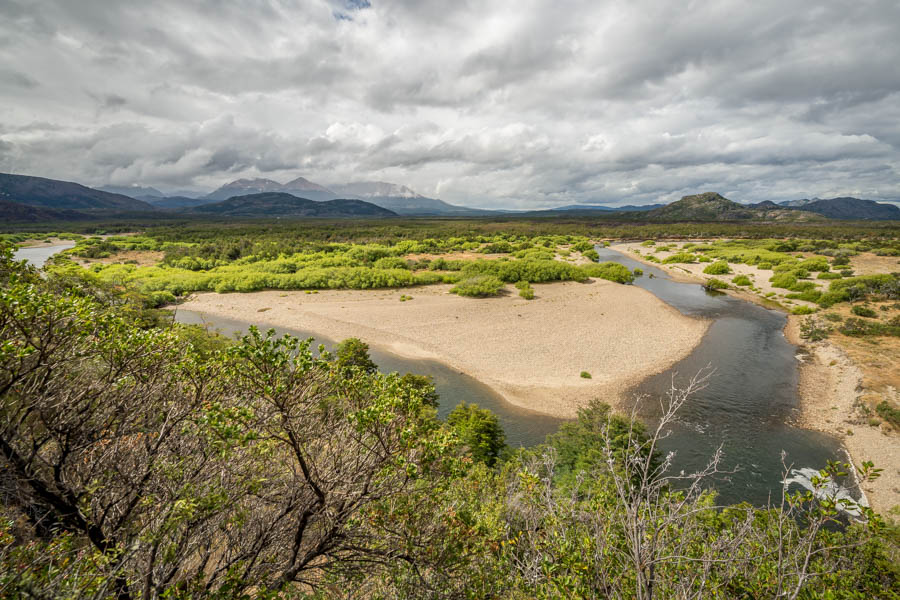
526 103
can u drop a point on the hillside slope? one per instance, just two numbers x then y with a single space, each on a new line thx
65 195
279 204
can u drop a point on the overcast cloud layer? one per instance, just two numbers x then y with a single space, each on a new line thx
503 103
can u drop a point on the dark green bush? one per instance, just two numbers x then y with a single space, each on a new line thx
863 311
680 257
888 413
741 280
591 255
783 280
715 284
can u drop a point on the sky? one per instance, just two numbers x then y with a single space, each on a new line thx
515 104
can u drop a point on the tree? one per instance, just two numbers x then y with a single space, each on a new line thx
479 431
354 353
181 472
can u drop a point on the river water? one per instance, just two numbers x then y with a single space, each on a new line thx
746 407
38 256
750 399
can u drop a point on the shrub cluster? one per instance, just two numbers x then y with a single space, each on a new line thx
479 286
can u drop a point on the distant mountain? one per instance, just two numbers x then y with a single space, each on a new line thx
404 201
300 187
711 206
13 212
626 208
795 203
765 204
65 195
850 209
279 204
175 202
132 191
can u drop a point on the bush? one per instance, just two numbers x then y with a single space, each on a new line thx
715 284
391 262
591 255
840 261
610 271
829 275
479 431
720 267
741 280
479 286
637 272
811 329
863 311
680 257
783 280
585 375
764 265
803 310
834 317
888 413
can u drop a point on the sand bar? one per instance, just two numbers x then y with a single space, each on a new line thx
530 352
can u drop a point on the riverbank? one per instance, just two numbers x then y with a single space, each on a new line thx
531 352
830 389
831 383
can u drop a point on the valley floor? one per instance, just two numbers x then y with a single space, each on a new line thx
530 351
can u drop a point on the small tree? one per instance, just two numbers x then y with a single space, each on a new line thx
479 431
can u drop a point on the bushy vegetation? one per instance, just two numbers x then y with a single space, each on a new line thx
715 284
143 459
863 311
525 290
741 280
720 267
479 286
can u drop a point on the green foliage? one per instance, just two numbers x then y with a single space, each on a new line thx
525 290
680 257
715 284
585 375
813 330
720 267
783 280
637 272
863 311
829 275
803 310
479 431
479 286
865 328
353 353
610 271
741 280
888 413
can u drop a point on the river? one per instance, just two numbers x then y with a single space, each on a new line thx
38 255
747 406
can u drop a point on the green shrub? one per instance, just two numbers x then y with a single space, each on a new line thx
834 317
803 310
648 243
610 271
585 375
840 261
479 431
829 275
478 287
720 267
888 413
741 280
860 328
680 257
637 272
390 262
863 311
818 263
783 280
591 255
715 284
764 265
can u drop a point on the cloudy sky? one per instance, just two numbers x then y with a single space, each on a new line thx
503 103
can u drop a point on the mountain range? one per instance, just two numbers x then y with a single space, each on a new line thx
34 199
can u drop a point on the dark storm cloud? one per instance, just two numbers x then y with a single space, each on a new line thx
516 103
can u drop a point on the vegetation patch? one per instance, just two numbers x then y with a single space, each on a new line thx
479 286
